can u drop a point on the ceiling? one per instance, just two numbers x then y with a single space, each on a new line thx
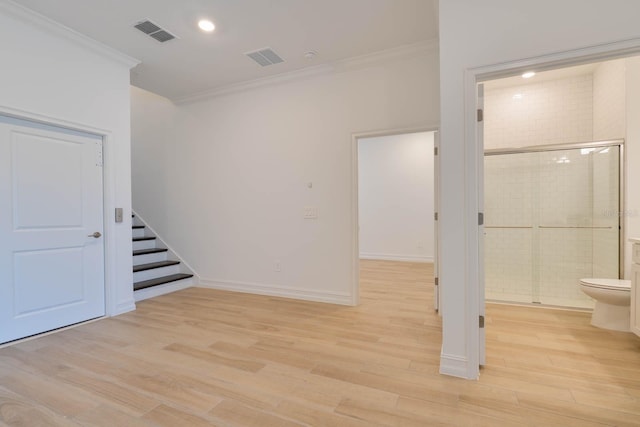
197 62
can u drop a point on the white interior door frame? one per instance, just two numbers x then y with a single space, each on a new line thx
436 222
112 306
474 154
355 226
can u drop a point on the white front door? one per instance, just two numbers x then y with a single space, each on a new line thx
51 265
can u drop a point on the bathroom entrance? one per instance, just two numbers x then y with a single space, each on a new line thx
552 218
554 188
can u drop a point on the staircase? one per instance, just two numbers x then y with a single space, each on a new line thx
156 269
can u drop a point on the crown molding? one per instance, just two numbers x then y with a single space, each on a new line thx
354 63
25 14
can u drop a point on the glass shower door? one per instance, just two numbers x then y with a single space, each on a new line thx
578 222
510 187
552 218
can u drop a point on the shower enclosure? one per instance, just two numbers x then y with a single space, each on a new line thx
552 216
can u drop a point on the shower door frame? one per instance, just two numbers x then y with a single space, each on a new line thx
574 146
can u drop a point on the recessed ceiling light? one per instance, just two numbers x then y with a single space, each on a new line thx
206 25
528 75
517 96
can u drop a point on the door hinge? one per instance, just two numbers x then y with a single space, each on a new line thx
480 218
99 158
480 114
435 216
481 321
435 151
435 281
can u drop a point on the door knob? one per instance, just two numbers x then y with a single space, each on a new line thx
95 235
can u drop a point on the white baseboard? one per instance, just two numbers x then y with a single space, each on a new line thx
455 366
167 288
277 291
123 307
391 257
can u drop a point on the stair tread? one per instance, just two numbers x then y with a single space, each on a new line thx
152 265
137 227
160 281
141 239
149 251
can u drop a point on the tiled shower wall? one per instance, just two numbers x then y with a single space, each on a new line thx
549 112
609 100
609 122
531 199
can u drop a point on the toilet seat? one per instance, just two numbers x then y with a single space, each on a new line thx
611 284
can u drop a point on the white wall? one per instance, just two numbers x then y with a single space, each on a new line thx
238 168
395 189
153 134
476 34
56 76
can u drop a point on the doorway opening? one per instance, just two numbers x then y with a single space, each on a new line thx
557 148
395 202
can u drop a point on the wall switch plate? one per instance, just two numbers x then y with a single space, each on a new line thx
119 216
310 212
277 266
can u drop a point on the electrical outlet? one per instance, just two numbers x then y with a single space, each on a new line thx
310 212
276 266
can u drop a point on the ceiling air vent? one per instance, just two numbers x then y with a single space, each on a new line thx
154 31
265 57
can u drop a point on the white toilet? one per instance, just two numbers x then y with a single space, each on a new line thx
613 302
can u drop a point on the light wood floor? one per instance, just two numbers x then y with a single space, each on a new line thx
200 357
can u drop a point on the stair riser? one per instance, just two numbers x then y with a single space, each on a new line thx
139 276
163 289
138 232
144 244
148 258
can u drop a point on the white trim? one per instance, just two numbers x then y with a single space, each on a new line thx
34 18
400 52
355 225
472 249
455 366
555 60
112 307
167 288
473 154
277 291
392 257
47 120
172 252
363 61
122 308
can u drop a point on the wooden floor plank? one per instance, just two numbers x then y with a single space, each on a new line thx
201 357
